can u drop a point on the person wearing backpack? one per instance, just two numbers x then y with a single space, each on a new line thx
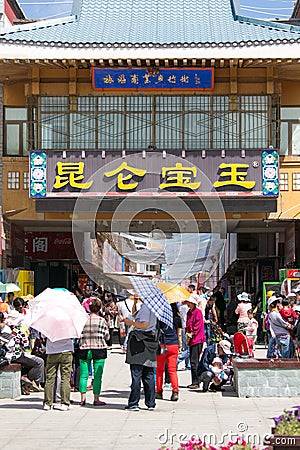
167 356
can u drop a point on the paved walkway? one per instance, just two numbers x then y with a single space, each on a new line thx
24 424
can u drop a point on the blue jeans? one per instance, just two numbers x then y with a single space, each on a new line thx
292 349
272 347
146 375
283 344
185 355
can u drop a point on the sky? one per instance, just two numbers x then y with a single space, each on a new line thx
263 9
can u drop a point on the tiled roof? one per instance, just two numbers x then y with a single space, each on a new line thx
201 23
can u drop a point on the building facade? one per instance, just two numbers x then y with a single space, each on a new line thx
134 86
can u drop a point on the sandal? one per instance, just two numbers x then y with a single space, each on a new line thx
26 380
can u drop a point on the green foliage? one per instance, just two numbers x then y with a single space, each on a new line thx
288 423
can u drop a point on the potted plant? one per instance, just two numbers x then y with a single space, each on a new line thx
286 432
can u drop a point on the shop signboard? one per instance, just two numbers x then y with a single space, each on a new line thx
170 79
231 173
49 245
288 273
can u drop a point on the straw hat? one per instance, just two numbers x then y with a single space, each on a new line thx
192 299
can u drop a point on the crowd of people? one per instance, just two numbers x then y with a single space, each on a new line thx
201 338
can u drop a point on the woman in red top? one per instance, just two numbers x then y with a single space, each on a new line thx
290 316
195 336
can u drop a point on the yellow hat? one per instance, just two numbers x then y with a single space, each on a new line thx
27 297
270 293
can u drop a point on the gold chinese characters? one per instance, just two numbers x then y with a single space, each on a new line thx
128 178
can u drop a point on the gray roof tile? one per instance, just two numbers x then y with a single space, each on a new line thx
161 22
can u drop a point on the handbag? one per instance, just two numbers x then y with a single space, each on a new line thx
161 347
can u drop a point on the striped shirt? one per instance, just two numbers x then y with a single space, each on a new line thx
94 334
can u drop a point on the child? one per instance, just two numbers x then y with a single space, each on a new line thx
217 369
251 328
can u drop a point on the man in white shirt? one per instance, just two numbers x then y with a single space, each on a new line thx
59 355
126 310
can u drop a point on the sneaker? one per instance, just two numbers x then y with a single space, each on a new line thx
47 407
174 396
62 407
150 408
132 408
193 386
159 395
168 387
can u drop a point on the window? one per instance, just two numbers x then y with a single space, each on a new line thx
284 181
25 180
15 132
134 122
290 131
296 181
13 180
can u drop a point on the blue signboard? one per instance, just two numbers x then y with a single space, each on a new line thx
162 79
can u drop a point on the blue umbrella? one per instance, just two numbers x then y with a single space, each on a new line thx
153 297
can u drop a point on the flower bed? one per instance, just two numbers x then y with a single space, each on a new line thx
195 444
286 433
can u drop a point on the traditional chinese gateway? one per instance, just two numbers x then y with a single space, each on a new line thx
153 102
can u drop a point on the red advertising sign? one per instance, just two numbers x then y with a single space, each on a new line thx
49 245
83 279
293 273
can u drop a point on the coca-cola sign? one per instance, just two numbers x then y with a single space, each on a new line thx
62 242
49 245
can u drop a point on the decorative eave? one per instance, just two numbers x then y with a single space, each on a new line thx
87 63
150 45
11 51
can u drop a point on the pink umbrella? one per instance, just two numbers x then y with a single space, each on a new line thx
57 314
